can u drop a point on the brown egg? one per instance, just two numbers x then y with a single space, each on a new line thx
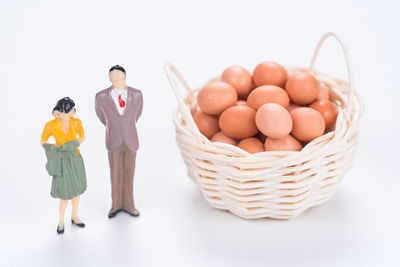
273 120
239 78
244 98
302 88
207 124
287 143
241 103
328 110
308 124
238 122
251 145
269 73
253 85
215 97
323 92
267 94
223 138
292 106
261 136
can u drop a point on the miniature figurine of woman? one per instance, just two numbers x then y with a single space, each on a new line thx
64 161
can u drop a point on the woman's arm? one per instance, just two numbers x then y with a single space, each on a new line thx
45 134
81 139
80 131
43 142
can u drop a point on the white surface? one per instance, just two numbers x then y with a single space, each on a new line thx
49 50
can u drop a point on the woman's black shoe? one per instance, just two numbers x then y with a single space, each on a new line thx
81 225
60 231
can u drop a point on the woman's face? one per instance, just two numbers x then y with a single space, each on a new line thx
65 116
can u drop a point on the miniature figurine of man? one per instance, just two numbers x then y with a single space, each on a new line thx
118 108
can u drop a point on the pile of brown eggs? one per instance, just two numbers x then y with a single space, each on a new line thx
266 111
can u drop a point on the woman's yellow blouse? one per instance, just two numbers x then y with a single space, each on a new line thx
53 128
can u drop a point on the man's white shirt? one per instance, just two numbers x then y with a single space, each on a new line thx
115 93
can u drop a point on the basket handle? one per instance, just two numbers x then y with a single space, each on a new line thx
173 74
346 56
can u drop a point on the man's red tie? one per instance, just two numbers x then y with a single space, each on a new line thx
121 102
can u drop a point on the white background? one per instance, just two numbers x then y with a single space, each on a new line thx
52 49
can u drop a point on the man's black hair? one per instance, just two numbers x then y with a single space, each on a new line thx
117 67
64 105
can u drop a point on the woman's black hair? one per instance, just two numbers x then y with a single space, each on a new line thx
64 105
117 67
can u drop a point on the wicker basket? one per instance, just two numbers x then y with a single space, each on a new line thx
271 184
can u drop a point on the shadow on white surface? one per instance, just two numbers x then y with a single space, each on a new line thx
322 233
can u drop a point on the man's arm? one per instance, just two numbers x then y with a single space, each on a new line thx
99 111
140 107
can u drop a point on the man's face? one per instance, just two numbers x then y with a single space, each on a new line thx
117 76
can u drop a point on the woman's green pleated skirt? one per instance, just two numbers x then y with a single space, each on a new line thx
67 169
73 181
